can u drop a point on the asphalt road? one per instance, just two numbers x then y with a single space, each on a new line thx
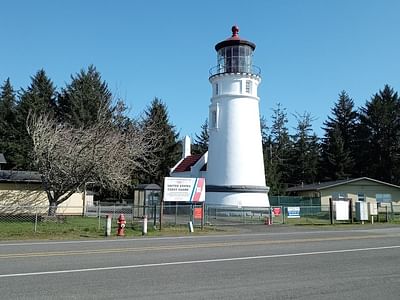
272 263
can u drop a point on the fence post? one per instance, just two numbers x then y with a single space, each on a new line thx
387 213
176 212
99 215
132 215
392 211
331 210
351 210
161 212
36 220
155 215
203 206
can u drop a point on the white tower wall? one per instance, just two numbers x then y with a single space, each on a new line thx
235 169
235 144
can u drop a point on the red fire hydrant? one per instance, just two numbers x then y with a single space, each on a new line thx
121 225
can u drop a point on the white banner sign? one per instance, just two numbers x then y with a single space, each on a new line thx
342 210
179 189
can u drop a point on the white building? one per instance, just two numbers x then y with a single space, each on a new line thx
235 167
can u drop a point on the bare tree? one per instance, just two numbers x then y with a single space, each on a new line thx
68 157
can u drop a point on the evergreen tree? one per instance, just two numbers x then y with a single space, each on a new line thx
338 144
7 121
201 141
38 98
337 157
380 123
305 152
85 100
156 117
265 137
278 147
270 165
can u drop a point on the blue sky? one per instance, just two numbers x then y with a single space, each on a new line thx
308 50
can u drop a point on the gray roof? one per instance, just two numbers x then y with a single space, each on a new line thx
329 184
2 159
150 186
20 176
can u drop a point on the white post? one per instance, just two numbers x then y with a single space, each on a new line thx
144 231
191 227
108 225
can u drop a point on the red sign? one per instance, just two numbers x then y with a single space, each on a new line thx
276 211
198 213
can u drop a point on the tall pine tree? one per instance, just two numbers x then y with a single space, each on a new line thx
270 166
380 123
156 117
8 144
85 100
38 98
338 143
305 152
201 141
278 147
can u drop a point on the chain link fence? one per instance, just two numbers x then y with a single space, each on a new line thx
16 219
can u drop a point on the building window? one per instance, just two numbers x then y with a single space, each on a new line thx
216 89
361 197
248 86
385 198
339 196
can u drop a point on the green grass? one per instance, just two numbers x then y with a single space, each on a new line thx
74 227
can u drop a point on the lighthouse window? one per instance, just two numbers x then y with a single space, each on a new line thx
213 117
235 51
233 59
242 51
248 86
216 89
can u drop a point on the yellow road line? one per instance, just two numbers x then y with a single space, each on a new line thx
189 246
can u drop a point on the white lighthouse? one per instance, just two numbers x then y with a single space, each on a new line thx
235 169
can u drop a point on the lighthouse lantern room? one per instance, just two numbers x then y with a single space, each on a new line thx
235 168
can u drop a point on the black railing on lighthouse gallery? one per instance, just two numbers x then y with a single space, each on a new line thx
220 69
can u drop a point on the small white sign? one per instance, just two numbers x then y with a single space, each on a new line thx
342 210
293 212
180 189
373 208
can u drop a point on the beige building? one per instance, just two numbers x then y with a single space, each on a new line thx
358 189
21 192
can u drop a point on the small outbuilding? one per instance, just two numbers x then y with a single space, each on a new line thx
145 197
358 189
21 192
